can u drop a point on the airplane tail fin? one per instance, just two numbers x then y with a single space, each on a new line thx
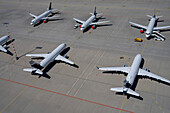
129 91
154 15
33 70
95 13
50 6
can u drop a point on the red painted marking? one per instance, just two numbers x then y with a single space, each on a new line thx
65 95
79 26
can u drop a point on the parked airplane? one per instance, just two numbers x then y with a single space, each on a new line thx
43 17
89 22
48 58
132 72
2 41
151 30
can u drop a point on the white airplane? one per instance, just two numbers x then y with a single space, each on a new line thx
89 22
2 41
132 72
151 30
43 17
48 58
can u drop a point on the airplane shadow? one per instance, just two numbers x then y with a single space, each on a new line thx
51 65
29 52
7 43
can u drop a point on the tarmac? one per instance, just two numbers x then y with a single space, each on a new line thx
68 89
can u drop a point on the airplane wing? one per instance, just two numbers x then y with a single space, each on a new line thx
37 55
80 21
96 23
121 69
61 58
33 15
151 75
3 49
53 17
160 28
138 25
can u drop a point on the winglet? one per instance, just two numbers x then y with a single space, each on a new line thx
97 67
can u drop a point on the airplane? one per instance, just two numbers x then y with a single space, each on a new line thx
151 30
89 22
48 58
132 73
2 41
43 17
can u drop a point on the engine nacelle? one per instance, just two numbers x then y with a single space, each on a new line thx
146 69
124 65
79 26
44 21
141 31
93 27
76 26
158 31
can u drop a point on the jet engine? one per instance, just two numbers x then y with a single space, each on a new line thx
146 69
158 31
141 31
93 27
124 65
76 26
44 21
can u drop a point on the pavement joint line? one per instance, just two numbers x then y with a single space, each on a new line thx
122 104
144 46
92 68
74 5
89 74
82 73
50 91
17 95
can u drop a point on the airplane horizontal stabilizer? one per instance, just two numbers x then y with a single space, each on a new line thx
118 89
3 49
149 16
158 17
129 91
37 71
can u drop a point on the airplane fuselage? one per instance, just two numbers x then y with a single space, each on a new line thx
133 71
150 27
87 23
39 18
4 39
51 57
